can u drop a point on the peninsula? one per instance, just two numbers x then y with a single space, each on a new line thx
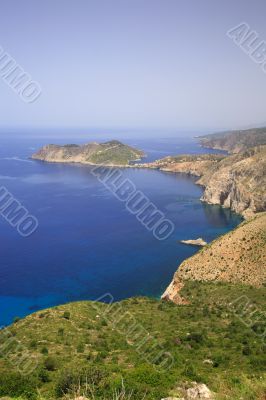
111 153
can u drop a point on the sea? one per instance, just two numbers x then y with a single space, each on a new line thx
87 243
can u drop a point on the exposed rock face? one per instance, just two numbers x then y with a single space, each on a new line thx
237 257
172 293
235 141
238 182
113 153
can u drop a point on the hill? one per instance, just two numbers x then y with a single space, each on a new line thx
235 141
154 349
237 257
112 153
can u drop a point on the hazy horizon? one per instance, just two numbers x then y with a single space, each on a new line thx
148 67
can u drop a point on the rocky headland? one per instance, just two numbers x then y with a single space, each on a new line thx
237 181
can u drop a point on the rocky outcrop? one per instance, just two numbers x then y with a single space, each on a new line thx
237 257
112 153
195 242
199 391
196 392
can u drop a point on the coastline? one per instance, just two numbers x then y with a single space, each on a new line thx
201 166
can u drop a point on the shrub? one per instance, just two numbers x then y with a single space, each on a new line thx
15 385
50 364
80 348
70 380
44 350
66 315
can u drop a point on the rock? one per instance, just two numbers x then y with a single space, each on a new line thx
199 391
210 362
173 398
195 242
81 398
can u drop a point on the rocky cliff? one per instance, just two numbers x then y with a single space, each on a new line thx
113 153
237 257
237 181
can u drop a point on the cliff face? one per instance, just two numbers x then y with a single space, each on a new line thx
238 182
237 257
235 141
113 153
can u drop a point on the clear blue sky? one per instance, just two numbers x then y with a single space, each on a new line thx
133 63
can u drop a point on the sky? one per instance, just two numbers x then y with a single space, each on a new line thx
137 64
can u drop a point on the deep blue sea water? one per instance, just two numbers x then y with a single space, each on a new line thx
87 243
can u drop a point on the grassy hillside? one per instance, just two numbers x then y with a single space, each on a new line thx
95 347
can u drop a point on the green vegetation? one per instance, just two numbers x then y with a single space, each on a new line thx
97 347
115 153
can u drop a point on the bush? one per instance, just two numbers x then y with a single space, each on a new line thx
70 380
66 315
50 364
80 348
44 350
14 384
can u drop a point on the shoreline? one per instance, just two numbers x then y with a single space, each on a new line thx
152 165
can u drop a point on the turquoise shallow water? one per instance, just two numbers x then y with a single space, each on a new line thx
87 243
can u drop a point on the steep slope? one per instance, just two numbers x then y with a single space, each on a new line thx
237 257
237 181
155 348
235 141
112 153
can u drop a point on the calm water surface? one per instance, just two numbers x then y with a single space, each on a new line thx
87 243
